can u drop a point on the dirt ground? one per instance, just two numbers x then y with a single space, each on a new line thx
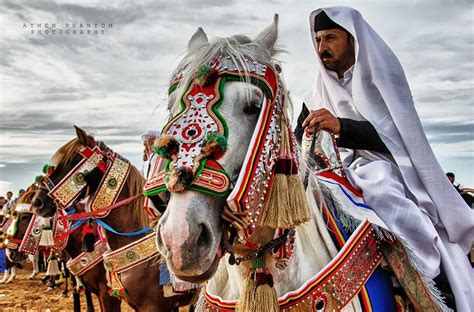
30 295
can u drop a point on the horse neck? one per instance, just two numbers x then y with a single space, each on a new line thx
74 244
124 219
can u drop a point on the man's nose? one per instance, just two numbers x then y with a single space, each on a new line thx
321 46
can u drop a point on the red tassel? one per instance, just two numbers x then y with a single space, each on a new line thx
263 276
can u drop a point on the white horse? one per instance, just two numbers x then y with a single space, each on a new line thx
190 232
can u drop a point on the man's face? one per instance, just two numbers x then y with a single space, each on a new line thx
9 195
451 179
335 49
148 146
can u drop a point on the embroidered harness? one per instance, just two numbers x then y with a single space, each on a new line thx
115 170
30 242
191 133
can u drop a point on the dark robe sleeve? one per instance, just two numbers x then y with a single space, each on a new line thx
299 130
354 134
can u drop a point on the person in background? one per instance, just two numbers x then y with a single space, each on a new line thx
154 209
463 191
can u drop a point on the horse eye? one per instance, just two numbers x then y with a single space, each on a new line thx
252 108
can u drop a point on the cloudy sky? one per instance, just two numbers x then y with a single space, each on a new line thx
113 83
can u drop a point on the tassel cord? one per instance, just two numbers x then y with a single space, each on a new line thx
274 244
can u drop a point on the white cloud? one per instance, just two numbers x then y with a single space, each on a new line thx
5 186
111 84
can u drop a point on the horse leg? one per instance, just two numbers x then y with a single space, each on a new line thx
34 260
76 295
67 277
41 261
6 275
52 279
109 303
90 304
12 275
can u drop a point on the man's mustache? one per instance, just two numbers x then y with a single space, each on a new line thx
326 54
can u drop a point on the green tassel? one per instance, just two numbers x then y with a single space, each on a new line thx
215 145
258 263
203 71
46 168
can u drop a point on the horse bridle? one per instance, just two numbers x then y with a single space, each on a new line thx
206 89
67 190
20 209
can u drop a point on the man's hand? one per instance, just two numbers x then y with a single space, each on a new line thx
322 119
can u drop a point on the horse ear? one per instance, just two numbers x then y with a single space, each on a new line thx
268 36
198 39
83 137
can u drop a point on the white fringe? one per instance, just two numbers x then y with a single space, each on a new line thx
201 302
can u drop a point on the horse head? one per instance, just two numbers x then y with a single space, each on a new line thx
216 96
22 215
75 172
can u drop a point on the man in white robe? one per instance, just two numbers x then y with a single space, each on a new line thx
149 162
361 94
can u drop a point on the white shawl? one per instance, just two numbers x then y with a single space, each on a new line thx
381 95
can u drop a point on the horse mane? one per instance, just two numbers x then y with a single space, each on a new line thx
66 153
27 197
135 187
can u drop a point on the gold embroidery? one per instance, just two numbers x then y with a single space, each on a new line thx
131 255
67 191
86 260
111 185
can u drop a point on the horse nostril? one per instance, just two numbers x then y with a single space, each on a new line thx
204 237
38 203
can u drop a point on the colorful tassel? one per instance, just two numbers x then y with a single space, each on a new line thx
47 239
246 300
53 266
38 179
206 75
47 169
214 146
166 146
286 204
274 212
298 205
179 180
258 293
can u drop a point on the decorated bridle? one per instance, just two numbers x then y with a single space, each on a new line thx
113 167
113 171
195 138
31 241
10 241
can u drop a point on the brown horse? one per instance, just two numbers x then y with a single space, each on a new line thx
94 280
143 293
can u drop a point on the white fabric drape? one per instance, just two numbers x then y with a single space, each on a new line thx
408 190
